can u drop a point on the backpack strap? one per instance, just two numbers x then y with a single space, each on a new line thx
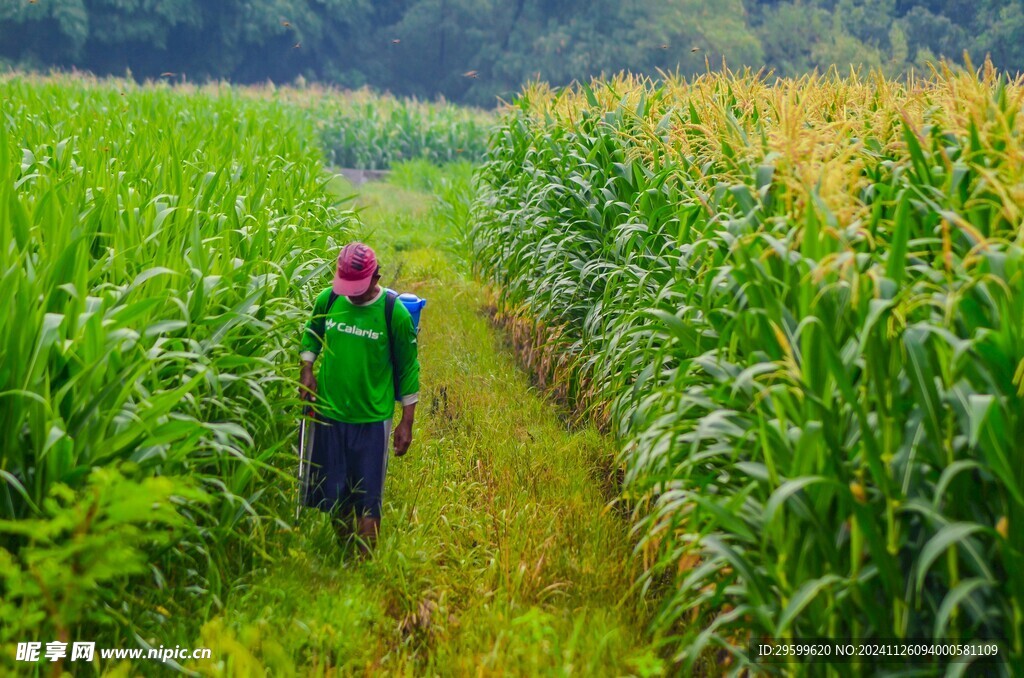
320 321
389 311
319 325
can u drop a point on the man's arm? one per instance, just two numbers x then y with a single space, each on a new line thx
312 340
307 379
403 432
407 352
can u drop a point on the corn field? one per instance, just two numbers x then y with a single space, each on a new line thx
156 250
363 130
799 306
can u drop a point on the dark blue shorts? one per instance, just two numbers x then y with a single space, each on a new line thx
348 465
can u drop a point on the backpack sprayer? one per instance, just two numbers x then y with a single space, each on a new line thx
413 304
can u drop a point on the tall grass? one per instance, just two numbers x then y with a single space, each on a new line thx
154 252
799 305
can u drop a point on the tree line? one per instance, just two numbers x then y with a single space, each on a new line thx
475 51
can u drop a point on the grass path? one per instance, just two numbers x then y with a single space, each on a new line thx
497 554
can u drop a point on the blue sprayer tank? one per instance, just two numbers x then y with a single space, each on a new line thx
414 305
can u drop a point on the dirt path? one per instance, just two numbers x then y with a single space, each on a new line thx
497 555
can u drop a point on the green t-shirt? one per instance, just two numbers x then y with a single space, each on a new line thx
355 383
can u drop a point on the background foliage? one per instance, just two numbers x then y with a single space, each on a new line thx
475 50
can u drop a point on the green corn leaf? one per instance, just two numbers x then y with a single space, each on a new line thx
803 597
964 591
896 262
952 535
923 380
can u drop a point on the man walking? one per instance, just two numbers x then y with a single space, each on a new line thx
368 358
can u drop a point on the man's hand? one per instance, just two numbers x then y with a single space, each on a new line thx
403 436
308 383
403 432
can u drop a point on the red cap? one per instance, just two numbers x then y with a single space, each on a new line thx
356 265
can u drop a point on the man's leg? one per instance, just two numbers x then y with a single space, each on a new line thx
369 460
329 490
